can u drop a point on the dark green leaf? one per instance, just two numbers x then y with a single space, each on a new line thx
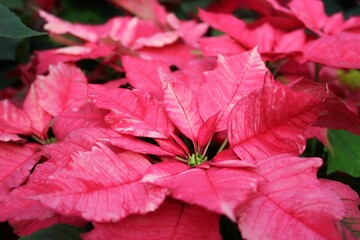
57 232
12 27
346 153
13 4
8 48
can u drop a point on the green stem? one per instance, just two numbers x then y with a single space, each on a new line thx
223 145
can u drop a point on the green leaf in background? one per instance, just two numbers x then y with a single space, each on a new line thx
57 232
8 48
12 27
13 4
346 153
350 78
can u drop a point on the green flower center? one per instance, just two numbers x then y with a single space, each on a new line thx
196 159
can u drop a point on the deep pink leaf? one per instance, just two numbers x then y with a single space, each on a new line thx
68 121
235 77
207 130
223 44
132 112
135 145
180 105
13 120
27 227
339 50
16 161
101 186
67 85
150 10
146 80
290 202
349 225
271 121
226 23
310 12
333 113
173 220
221 190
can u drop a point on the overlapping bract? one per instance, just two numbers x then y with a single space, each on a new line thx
167 153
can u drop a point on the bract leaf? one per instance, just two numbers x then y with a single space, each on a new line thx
339 50
67 85
101 186
68 121
132 112
173 220
180 105
148 79
13 119
345 154
221 190
234 77
349 225
290 202
15 165
271 121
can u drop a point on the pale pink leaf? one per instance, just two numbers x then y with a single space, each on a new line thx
16 161
68 121
234 77
221 190
39 118
157 40
13 120
290 203
81 139
10 137
271 121
173 220
132 112
180 105
101 186
67 85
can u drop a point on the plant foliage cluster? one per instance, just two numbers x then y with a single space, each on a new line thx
179 119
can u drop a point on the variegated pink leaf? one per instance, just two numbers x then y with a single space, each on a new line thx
68 121
101 186
67 85
173 220
132 112
180 105
221 190
235 77
15 165
13 120
290 203
271 121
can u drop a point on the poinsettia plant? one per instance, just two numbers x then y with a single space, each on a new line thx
153 125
